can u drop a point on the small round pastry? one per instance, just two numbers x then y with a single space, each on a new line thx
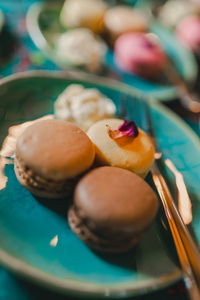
140 54
118 149
188 31
173 11
50 156
83 13
83 106
122 19
112 208
81 47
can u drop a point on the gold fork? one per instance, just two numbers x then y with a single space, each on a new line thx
187 251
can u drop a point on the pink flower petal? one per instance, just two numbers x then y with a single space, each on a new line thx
128 128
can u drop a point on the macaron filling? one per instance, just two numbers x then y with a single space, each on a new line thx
111 209
113 243
32 180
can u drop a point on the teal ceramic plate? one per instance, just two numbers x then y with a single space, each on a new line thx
36 241
44 28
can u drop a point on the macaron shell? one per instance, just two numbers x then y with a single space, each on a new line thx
45 188
94 241
55 149
134 154
115 201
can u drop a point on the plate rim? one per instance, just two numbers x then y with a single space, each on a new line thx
68 286
111 83
34 31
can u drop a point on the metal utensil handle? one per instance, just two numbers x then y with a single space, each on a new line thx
187 252
186 97
190 247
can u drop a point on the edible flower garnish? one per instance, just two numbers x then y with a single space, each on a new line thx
128 128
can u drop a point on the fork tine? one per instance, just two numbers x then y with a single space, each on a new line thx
144 113
146 121
123 109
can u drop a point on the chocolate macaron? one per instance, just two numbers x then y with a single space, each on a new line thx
50 156
112 208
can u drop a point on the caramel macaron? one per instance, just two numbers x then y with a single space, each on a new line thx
112 208
132 153
50 156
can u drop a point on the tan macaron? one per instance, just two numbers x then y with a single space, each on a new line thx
50 154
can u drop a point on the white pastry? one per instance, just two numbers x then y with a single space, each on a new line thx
81 47
83 106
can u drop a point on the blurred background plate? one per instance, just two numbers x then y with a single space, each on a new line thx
27 226
8 42
44 28
2 20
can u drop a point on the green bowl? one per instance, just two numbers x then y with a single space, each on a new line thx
27 226
44 28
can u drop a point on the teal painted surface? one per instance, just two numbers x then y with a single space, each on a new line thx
27 225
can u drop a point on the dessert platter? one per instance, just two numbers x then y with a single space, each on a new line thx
79 212
92 37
